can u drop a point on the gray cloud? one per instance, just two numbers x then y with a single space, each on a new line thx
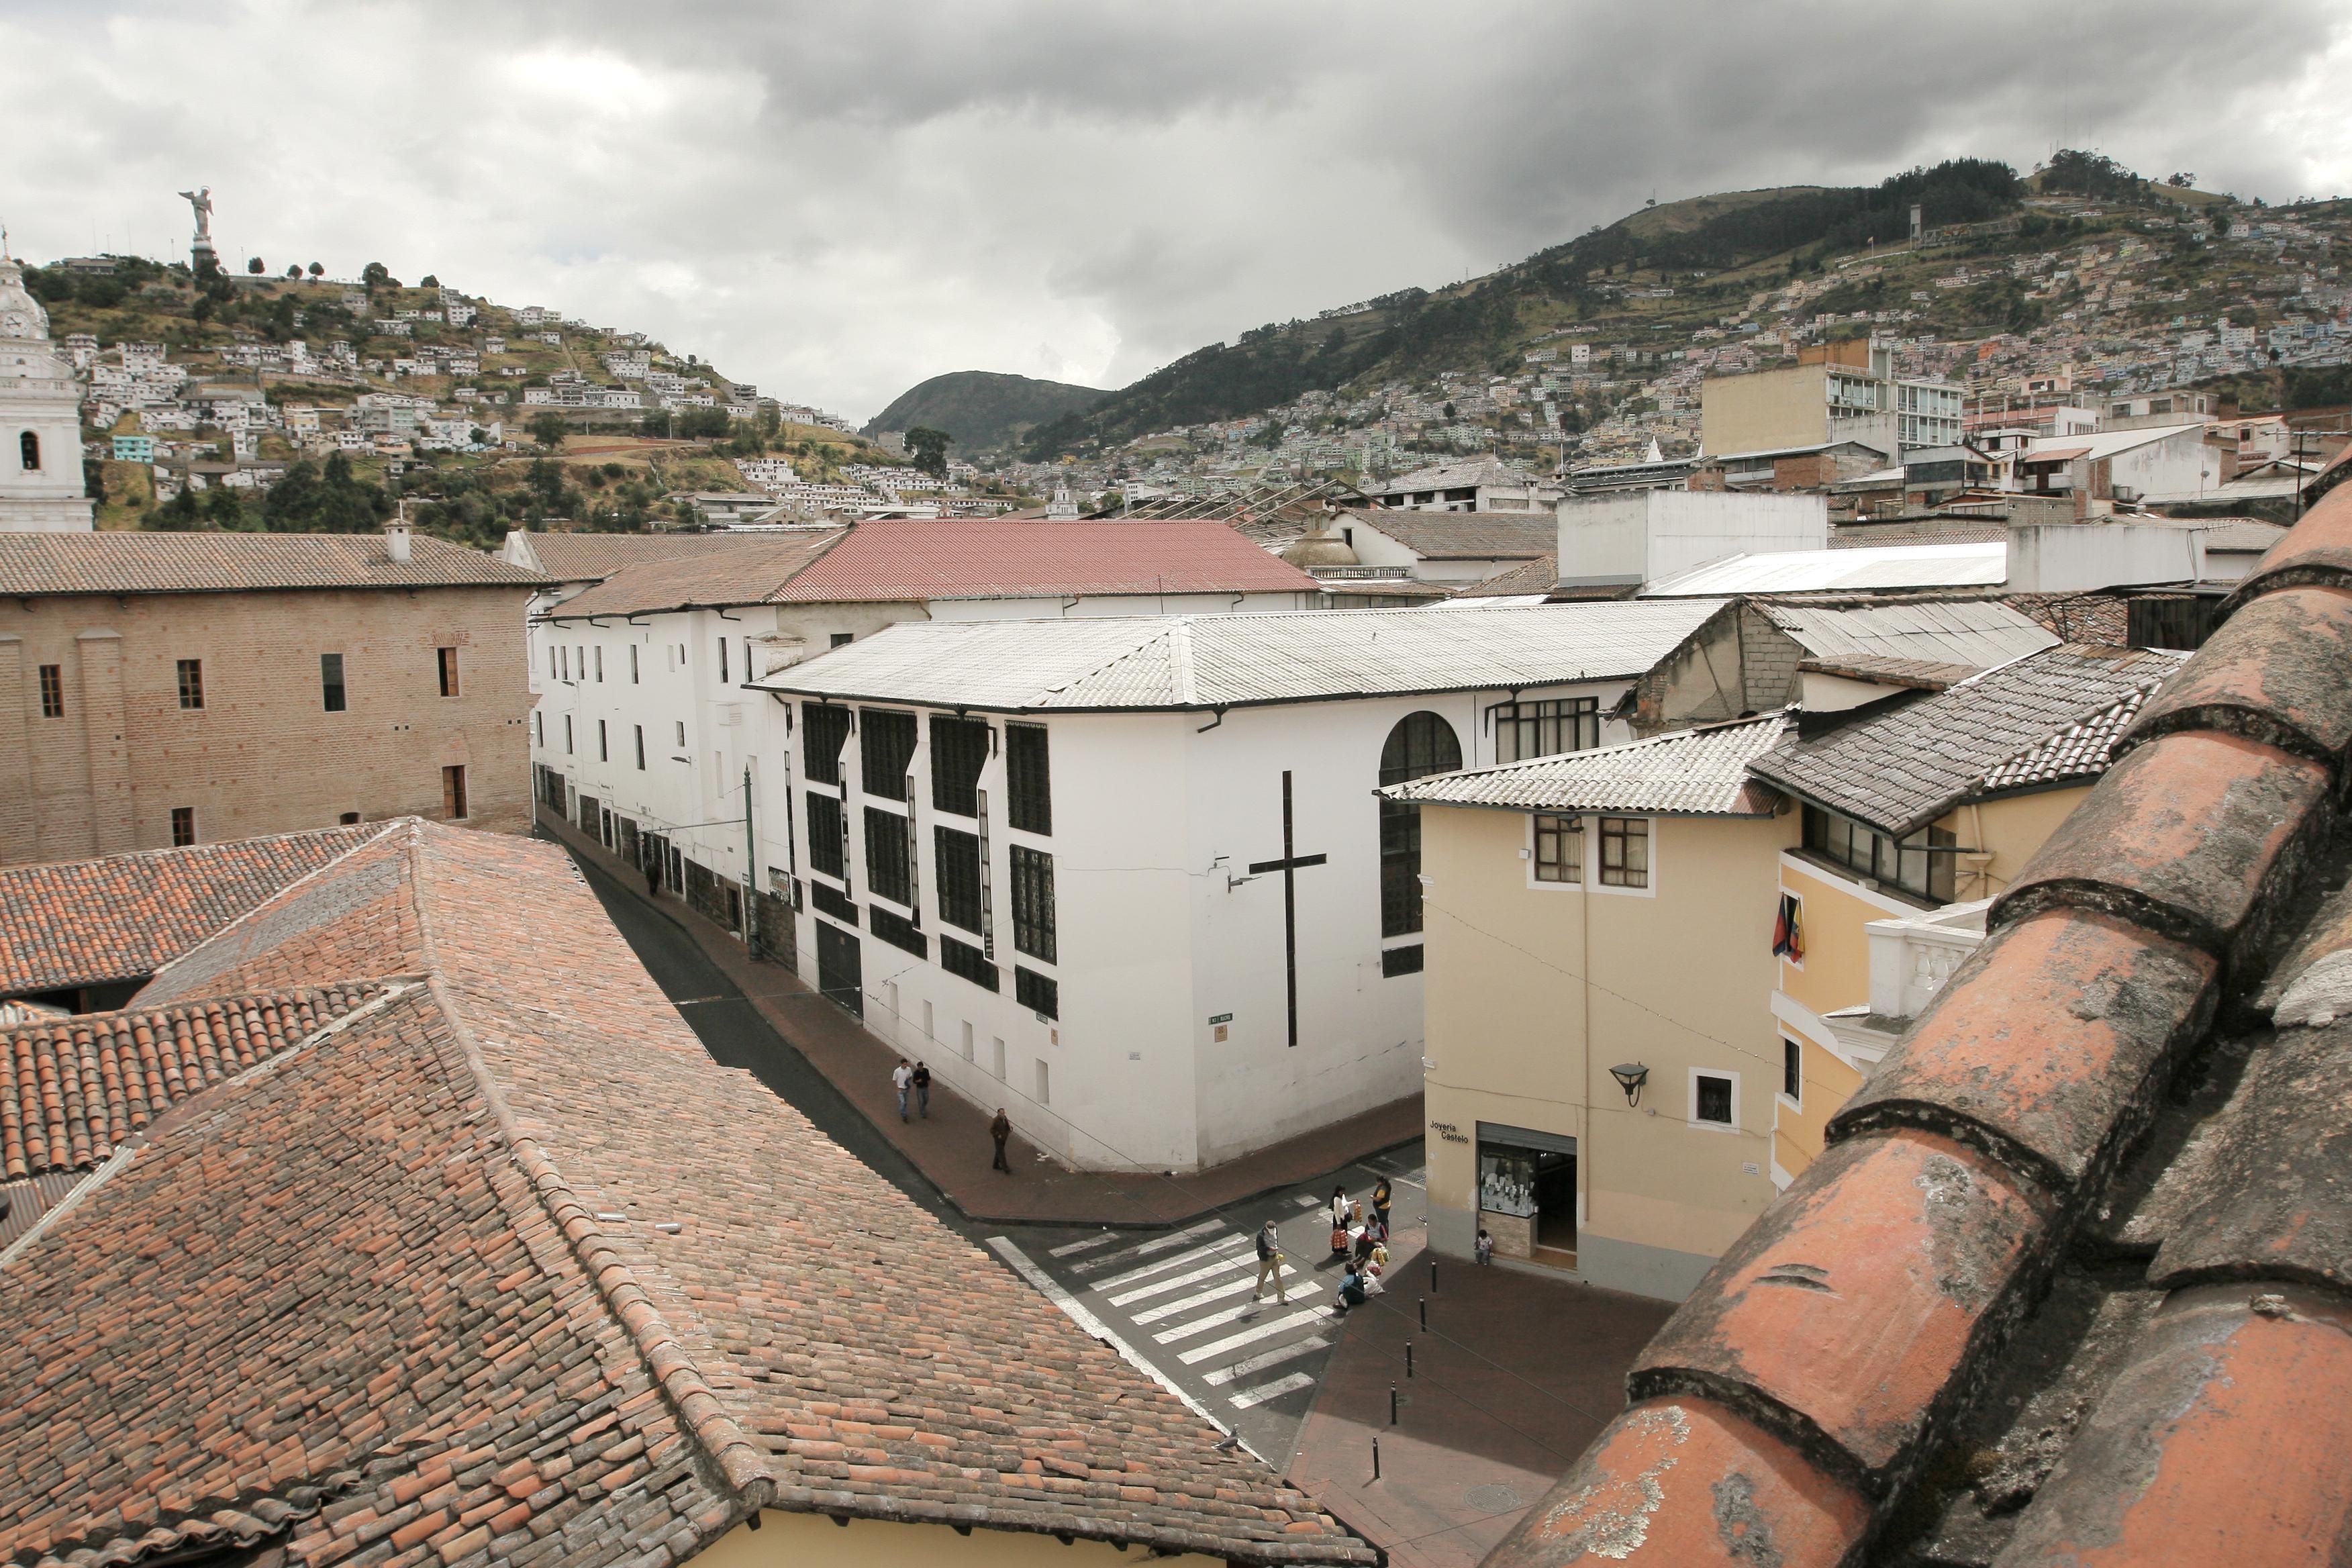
837 202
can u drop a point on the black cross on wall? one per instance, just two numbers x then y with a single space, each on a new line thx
1289 865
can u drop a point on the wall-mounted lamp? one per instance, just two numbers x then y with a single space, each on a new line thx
1631 1077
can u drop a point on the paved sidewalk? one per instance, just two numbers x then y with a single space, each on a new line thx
1514 1377
953 1148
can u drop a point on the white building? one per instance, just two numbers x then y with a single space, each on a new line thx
1622 539
41 489
1127 878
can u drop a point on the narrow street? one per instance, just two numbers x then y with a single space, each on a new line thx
1175 1301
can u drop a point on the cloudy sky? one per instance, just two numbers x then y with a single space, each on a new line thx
838 200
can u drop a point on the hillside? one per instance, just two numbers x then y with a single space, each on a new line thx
1707 254
983 410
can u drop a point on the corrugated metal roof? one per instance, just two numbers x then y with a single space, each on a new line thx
1690 773
1975 634
1900 769
1847 570
1233 660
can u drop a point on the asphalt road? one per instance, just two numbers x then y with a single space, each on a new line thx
1174 1301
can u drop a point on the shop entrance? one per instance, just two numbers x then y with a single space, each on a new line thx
1527 1193
839 973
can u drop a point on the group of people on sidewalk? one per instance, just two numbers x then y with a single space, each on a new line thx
915 1082
1362 1242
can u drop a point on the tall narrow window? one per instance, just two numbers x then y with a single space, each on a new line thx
567 732
885 746
184 826
1028 777
539 720
1421 744
563 662
53 691
29 451
1032 902
600 664
889 857
640 729
959 749
604 754
1792 1070
825 836
823 730
192 683
332 695
722 661
1624 852
453 792
447 658
632 663
956 855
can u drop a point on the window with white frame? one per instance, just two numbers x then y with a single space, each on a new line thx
1559 848
1714 1099
1625 851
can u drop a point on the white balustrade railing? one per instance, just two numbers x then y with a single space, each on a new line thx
1913 958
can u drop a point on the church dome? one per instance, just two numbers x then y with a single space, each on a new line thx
1309 551
21 315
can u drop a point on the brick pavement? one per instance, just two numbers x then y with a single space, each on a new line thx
951 1147
1516 1375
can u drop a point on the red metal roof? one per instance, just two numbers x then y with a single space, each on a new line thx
960 559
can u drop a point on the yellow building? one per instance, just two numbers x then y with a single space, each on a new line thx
1915 814
1599 1068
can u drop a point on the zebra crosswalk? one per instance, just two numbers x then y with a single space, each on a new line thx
1188 1302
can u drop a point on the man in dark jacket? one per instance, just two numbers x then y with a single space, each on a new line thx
1001 1128
1269 1263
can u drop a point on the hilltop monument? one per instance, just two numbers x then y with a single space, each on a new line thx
202 256
41 489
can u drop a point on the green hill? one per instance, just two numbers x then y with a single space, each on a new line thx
1697 256
983 410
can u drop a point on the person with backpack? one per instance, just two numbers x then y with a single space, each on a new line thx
1269 1263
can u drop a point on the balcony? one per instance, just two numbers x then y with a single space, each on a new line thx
1912 959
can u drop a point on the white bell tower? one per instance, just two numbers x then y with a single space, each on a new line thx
41 489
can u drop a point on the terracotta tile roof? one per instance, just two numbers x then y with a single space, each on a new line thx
1538 574
72 1089
1465 535
1700 772
503 1319
2070 1284
592 557
752 570
112 563
1898 767
903 561
85 922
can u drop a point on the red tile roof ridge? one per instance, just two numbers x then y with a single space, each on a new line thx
1865 1313
728 1446
385 831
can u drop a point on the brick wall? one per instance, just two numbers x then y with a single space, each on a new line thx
263 754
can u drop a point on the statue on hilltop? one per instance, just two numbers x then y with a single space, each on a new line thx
201 198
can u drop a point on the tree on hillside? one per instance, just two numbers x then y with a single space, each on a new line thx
702 423
180 514
317 269
428 281
929 450
293 269
222 508
253 265
376 275
547 429
335 500
2219 224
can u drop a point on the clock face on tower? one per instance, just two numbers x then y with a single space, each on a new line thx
16 324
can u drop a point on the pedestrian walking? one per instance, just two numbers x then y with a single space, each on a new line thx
1339 1221
653 875
1269 1263
1380 1205
922 1090
1001 1128
902 1078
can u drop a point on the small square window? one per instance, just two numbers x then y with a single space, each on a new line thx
184 826
192 683
1624 852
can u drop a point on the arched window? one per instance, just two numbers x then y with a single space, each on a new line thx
1421 744
28 449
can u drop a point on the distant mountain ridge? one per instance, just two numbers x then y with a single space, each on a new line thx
983 410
